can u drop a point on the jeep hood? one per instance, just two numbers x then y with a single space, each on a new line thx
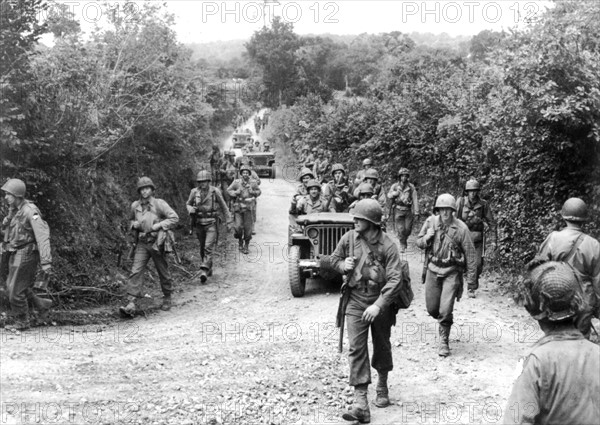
325 218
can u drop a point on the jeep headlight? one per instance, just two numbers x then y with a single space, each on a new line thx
312 233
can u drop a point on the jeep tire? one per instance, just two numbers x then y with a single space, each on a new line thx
297 281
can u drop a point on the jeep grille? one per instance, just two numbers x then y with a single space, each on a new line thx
329 236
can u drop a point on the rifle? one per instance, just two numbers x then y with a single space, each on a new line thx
344 295
177 257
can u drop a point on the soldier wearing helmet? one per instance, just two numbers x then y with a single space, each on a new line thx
304 177
405 206
243 192
150 218
338 191
371 260
366 164
305 152
216 161
26 239
203 206
449 253
266 146
582 252
228 173
559 380
309 162
364 191
314 202
321 166
477 215
371 176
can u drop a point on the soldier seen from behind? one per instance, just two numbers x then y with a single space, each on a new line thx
371 260
405 207
203 206
314 202
26 240
449 254
338 192
477 215
582 252
560 378
243 192
151 221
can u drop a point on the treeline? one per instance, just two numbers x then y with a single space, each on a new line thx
83 119
521 113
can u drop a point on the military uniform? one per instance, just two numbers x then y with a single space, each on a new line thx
228 175
205 205
337 196
405 206
476 216
243 193
307 205
378 194
320 167
148 212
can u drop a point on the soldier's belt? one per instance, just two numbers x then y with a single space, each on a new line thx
446 262
147 238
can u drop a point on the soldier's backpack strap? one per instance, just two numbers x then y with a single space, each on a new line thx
576 245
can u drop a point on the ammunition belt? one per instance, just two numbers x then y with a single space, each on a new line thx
446 262
147 238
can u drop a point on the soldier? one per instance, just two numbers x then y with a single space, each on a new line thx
310 159
372 261
266 146
582 252
364 191
228 173
560 378
305 152
477 215
338 191
257 145
320 167
367 163
304 177
371 176
243 192
313 202
449 250
203 205
216 161
150 218
405 206
26 239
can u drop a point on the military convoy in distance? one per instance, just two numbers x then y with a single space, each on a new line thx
240 140
263 163
312 240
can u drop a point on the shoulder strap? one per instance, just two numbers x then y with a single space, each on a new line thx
576 245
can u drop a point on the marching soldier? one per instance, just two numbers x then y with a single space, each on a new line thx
203 206
338 191
301 190
477 215
560 378
304 153
367 163
216 162
364 191
150 220
320 167
313 202
371 176
371 260
449 250
243 192
582 252
228 173
310 159
405 206
26 239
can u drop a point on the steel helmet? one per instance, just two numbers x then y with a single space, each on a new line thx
403 171
203 176
257 142
305 148
314 150
338 167
313 183
321 152
472 185
445 201
365 188
266 143
145 182
367 161
306 172
245 167
368 209
574 209
15 187
552 292
371 173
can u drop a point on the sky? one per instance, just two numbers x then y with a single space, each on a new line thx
204 21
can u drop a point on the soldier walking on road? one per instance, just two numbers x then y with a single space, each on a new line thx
313 202
405 206
203 206
560 378
582 252
150 220
449 251
321 166
228 173
477 215
364 191
243 192
371 176
309 162
360 176
371 259
26 238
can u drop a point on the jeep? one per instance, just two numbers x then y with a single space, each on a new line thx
263 163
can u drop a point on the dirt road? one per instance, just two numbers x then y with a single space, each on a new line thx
241 350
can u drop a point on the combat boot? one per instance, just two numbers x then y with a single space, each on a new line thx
360 408
166 303
42 305
245 249
444 350
382 399
471 293
241 244
21 323
203 276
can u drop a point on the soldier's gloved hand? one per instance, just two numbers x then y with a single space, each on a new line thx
156 227
349 264
371 313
